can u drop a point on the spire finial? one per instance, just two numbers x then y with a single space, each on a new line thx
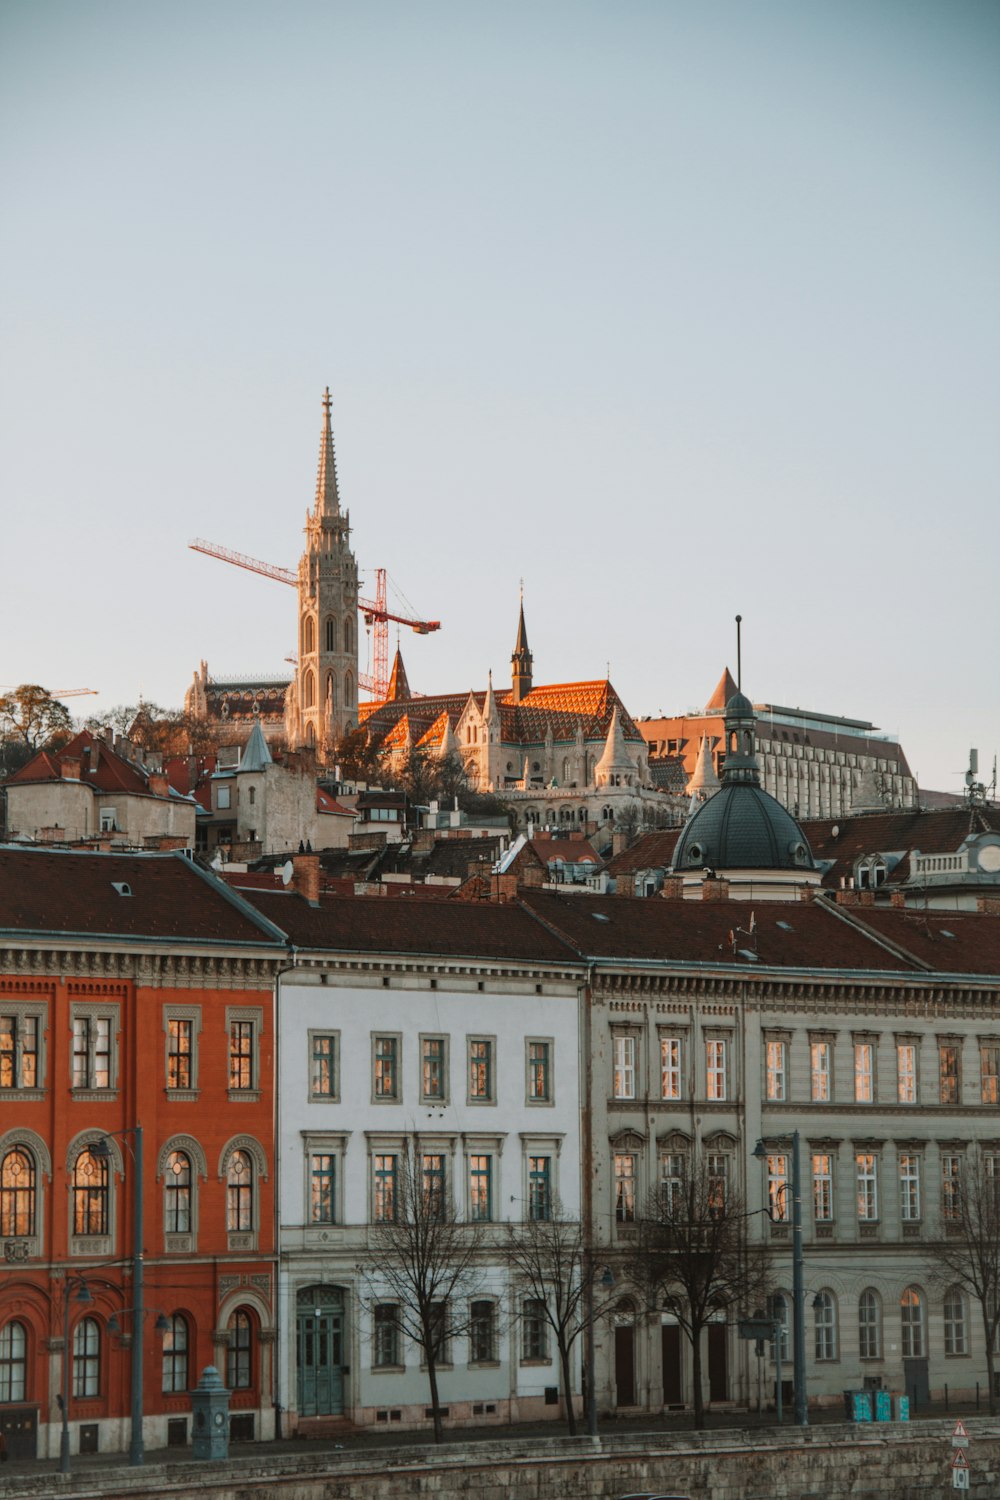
739 667
327 496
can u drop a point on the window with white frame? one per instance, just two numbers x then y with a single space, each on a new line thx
322 1187
673 1177
949 1070
955 1337
716 1079
13 1361
86 1358
177 1188
906 1072
624 1065
385 1336
18 1193
385 1068
864 1072
951 1187
385 1168
825 1326
671 1078
717 1181
324 1065
534 1331
822 1176
480 1187
22 1028
909 1186
624 1187
777 1186
482 1332
433 1069
94 1044
779 1315
174 1376
866 1167
989 1070
239 1193
911 1315
539 1187
869 1324
776 1070
820 1070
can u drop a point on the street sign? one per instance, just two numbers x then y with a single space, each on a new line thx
756 1328
960 1461
960 1438
960 1479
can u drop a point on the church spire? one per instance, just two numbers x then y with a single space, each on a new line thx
521 660
327 495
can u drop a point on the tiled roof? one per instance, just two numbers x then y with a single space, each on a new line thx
100 766
563 707
569 851
931 831
327 804
950 942
653 851
58 893
725 689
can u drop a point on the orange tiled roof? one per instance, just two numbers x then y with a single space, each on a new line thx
562 707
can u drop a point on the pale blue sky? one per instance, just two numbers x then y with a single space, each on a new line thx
676 310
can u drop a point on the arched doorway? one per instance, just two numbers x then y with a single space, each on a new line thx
319 1345
625 1354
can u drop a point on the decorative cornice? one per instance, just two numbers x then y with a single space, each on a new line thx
24 968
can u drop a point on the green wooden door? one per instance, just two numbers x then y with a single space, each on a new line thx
320 1351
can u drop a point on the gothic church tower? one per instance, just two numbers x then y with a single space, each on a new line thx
321 703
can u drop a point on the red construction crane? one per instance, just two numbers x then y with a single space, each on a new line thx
375 612
64 692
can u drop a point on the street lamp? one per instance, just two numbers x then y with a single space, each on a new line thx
82 1295
100 1149
798 1283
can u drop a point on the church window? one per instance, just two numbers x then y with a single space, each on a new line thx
348 689
330 692
331 634
309 689
308 635
349 634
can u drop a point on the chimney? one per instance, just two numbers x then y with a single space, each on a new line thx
715 890
897 899
158 784
305 877
673 888
69 768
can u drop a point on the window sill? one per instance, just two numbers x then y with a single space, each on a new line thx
542 1362
90 1244
324 1098
480 1103
178 1244
183 1096
390 1369
244 1096
243 1239
19 1095
483 1364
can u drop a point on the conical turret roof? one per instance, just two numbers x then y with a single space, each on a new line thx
703 780
256 754
725 689
399 687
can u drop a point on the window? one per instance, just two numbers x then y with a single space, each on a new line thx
433 1186
109 820
90 1195
989 1069
822 1175
324 1078
86 1358
539 1187
482 1333
715 1065
481 1189
384 1189
534 1343
385 1336
911 1315
239 1193
440 1332
539 1072
481 1070
864 1072
777 1187
239 1352
948 1072
13 1362
386 1071
955 1338
179 1058
819 1071
673 1175
779 1315
825 1325
776 1078
175 1354
906 1073
670 1067
322 1188
624 1064
951 1188
223 798
92 1051
177 1194
17 1194
869 1325
241 1058
717 1178
433 1069
19 1033
624 1187
331 634
866 1163
909 1186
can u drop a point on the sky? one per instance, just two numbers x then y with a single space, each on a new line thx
674 311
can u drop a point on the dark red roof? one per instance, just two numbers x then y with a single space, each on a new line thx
951 942
654 851
100 766
938 830
64 892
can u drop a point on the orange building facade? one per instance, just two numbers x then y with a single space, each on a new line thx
108 1022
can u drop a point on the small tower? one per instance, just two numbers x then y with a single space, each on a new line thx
703 782
521 661
321 704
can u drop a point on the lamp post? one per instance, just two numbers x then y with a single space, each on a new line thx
82 1295
798 1283
136 1451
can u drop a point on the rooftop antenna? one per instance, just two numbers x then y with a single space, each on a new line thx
739 658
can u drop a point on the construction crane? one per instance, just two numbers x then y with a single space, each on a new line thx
375 612
63 692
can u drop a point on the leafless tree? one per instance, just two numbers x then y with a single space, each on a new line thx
30 718
424 1261
968 1256
693 1255
551 1262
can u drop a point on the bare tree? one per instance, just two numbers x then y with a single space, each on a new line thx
968 1257
550 1260
424 1261
693 1255
30 717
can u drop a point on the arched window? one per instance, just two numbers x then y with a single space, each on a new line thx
86 1358
779 1312
177 1195
13 1362
348 689
348 635
17 1194
825 1325
175 1354
331 696
239 1354
90 1195
331 633
955 1339
308 635
911 1315
869 1325
239 1192
309 689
